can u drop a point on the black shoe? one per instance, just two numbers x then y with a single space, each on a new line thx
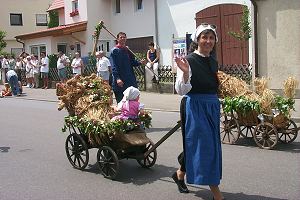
180 183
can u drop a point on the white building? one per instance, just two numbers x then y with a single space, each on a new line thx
18 18
274 26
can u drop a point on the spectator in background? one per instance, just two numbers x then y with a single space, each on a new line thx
36 71
13 82
11 62
44 70
23 56
62 61
18 67
103 66
1 59
153 58
29 72
5 68
77 65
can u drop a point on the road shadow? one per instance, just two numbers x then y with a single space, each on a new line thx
23 95
206 194
293 147
4 149
131 172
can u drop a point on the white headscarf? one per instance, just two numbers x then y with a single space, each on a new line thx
200 29
130 93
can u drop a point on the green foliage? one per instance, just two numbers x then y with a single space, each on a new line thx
98 29
240 104
284 105
4 53
92 60
107 127
140 56
52 60
54 20
96 91
245 31
2 42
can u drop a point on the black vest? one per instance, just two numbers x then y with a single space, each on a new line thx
204 74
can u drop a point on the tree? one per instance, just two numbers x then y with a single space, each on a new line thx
2 42
53 21
245 31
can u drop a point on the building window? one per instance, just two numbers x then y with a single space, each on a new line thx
74 8
74 5
78 48
139 4
37 50
16 51
16 20
118 6
41 19
107 47
62 48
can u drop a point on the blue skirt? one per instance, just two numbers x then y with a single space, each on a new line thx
203 155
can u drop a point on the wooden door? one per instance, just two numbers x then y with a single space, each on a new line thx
227 18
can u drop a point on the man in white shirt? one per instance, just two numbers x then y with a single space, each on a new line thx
61 66
44 69
103 66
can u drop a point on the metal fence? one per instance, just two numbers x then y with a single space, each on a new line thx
165 73
243 72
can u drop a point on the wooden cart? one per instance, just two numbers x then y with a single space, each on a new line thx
132 145
266 130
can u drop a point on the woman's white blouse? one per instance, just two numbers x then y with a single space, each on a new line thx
181 87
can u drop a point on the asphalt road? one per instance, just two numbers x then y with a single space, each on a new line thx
33 163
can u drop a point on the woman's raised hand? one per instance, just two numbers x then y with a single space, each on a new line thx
183 64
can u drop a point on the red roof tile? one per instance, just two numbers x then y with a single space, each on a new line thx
57 4
55 31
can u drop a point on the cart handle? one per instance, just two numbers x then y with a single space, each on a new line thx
175 128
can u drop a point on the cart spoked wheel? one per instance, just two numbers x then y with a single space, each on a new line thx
289 133
265 135
108 162
247 131
230 130
149 160
77 151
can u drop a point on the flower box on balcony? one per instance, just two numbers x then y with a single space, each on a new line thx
74 13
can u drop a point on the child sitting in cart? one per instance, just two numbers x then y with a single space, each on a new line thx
129 107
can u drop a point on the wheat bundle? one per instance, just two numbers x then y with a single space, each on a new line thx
233 87
85 96
267 101
260 84
289 87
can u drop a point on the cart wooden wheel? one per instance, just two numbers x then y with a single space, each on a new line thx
265 135
230 130
77 151
108 162
289 133
149 160
247 131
